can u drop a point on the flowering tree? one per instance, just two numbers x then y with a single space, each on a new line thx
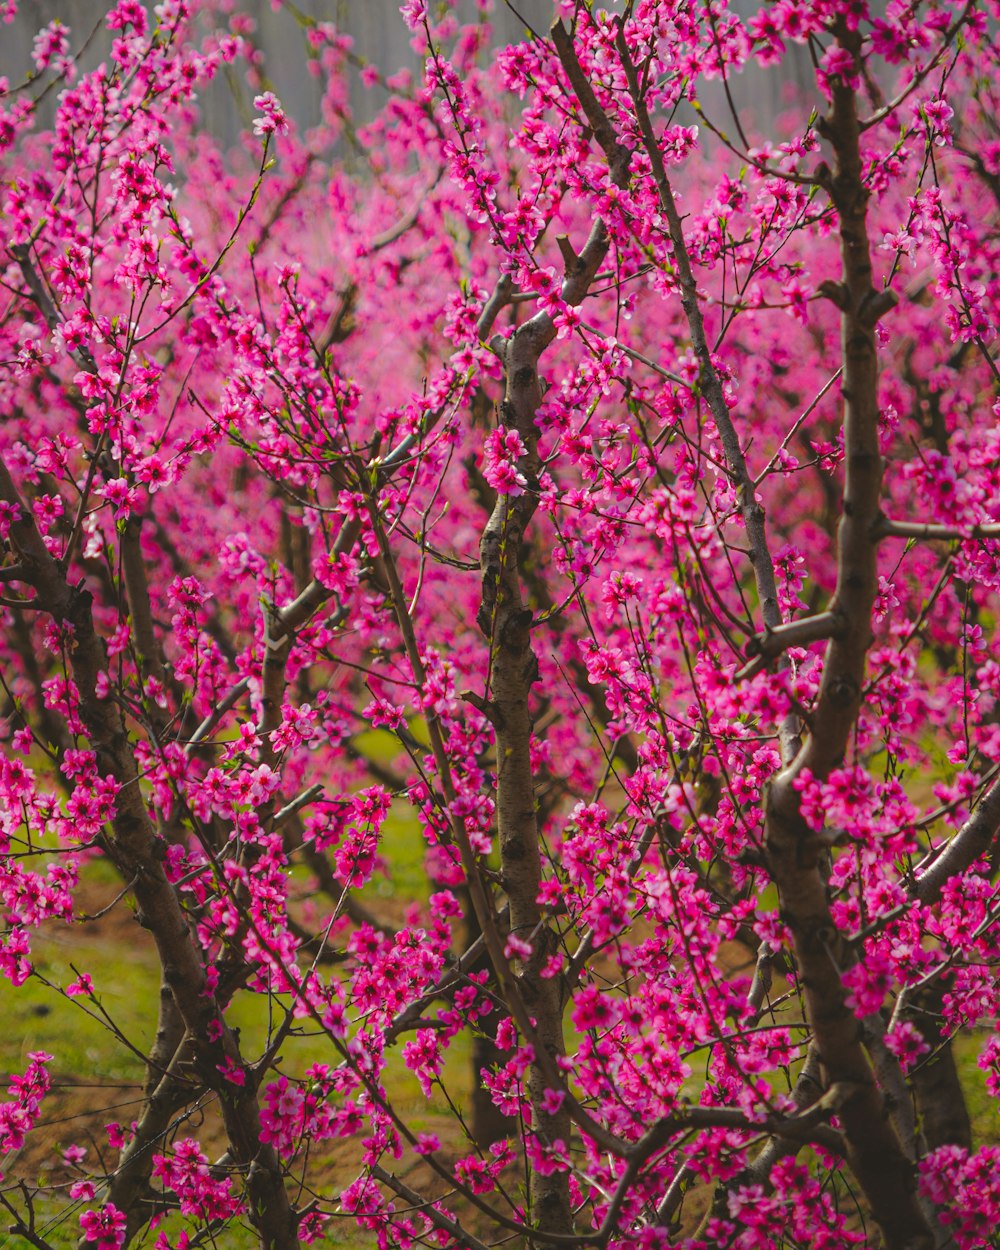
612 503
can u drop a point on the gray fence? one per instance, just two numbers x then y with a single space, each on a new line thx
379 36
375 25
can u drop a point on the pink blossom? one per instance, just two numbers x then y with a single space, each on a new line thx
82 985
105 1227
273 119
518 948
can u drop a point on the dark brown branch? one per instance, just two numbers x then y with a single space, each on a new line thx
137 851
493 307
809 1126
886 528
920 76
806 1091
937 1087
974 839
129 1188
617 155
295 805
763 648
212 720
506 621
446 1224
711 384
760 986
795 853
43 302
150 655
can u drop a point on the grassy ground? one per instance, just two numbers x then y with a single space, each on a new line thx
98 1066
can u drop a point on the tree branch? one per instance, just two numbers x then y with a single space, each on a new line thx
445 1223
137 851
794 851
973 840
774 642
711 384
886 528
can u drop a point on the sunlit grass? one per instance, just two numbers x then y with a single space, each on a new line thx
98 1064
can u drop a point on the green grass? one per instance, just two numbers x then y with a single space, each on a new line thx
981 1104
106 1074
119 956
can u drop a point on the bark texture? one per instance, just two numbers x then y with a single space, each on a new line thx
796 852
506 621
